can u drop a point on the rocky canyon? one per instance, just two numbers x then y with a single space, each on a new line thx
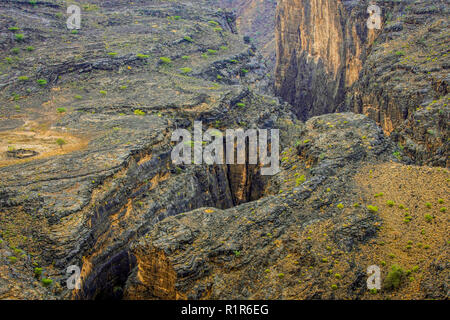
87 176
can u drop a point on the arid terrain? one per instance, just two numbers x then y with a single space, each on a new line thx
87 179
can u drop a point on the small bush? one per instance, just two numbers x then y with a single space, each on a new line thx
441 201
165 60
186 70
46 282
61 110
30 48
37 272
372 209
103 92
142 56
394 278
23 78
188 39
19 36
139 112
60 142
41 82
390 203
13 28
340 206
240 104
443 209
428 205
428 217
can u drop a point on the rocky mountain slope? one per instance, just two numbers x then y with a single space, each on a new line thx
328 60
86 176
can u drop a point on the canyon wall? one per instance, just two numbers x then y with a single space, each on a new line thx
328 60
321 46
256 19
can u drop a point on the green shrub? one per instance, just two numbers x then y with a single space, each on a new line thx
334 286
13 28
15 50
103 92
165 60
60 142
19 36
441 201
78 97
139 112
185 57
394 278
281 275
61 110
12 259
41 82
213 23
37 272
390 203
46 282
340 206
142 56
443 209
211 51
428 205
300 180
337 276
188 39
428 217
186 70
372 209
240 104
30 48
23 78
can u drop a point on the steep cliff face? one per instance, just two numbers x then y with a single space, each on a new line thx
403 85
328 60
321 46
256 19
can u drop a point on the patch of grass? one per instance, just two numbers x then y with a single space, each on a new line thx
240 104
103 92
23 78
390 203
372 209
61 110
428 205
13 29
30 48
188 39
